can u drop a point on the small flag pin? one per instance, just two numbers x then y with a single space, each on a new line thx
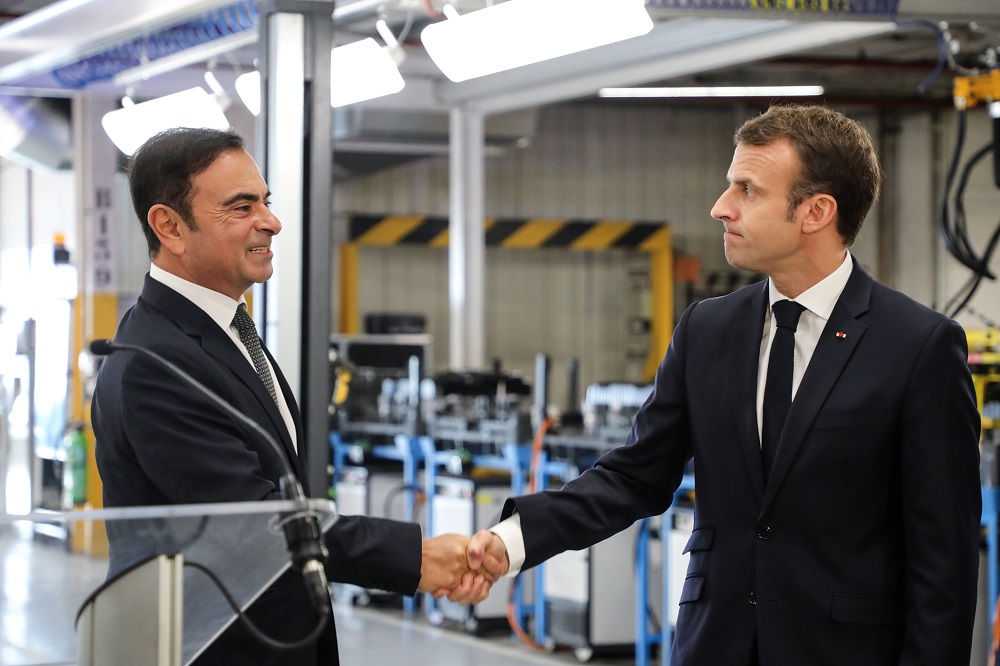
841 334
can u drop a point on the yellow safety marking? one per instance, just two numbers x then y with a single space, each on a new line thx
350 319
602 235
390 230
441 240
534 233
658 241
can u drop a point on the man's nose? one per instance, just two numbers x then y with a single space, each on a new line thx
271 222
721 210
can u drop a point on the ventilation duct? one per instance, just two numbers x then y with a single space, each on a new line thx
36 131
227 21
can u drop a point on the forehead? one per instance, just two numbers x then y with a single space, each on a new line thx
232 171
774 161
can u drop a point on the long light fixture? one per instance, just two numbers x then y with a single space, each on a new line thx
521 32
129 127
714 91
358 71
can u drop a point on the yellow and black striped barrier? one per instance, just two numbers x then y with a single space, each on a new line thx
514 233
522 233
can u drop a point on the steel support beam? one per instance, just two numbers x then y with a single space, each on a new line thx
295 305
466 246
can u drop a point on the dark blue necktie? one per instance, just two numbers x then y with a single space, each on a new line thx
778 387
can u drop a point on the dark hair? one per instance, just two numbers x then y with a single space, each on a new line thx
837 158
160 171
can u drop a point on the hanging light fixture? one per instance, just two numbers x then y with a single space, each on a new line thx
363 70
129 127
359 71
248 89
521 32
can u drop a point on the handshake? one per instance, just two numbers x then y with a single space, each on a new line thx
462 568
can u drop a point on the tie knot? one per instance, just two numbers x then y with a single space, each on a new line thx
242 321
786 313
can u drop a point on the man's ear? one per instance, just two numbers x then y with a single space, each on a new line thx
168 227
820 213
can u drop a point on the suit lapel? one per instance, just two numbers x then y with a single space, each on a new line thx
836 344
747 331
196 323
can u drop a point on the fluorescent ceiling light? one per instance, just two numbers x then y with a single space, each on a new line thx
521 32
715 91
129 128
358 71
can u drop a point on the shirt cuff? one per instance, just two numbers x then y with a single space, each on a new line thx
509 532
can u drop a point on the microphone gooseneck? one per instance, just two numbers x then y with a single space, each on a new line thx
302 533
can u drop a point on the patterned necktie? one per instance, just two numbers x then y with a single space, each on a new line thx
248 335
778 387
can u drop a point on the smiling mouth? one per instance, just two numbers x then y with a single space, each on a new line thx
260 250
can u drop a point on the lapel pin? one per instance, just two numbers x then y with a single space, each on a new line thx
841 335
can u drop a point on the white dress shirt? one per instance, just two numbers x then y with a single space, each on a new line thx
819 301
222 309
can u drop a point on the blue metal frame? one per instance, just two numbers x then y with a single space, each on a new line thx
991 500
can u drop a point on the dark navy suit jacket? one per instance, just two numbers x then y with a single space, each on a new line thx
863 546
158 442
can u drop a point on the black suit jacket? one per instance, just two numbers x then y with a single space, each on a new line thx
157 442
863 546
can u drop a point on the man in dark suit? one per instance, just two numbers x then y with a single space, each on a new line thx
844 533
203 206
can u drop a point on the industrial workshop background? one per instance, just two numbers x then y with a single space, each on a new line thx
589 228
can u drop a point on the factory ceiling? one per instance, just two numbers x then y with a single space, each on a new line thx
872 63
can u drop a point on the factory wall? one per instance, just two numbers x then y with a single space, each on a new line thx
587 161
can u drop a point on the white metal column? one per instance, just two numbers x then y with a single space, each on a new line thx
466 247
296 40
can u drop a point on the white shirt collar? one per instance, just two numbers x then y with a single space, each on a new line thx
820 298
218 306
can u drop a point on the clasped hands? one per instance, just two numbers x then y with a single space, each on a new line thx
462 568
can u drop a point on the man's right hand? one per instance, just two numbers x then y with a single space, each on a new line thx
488 555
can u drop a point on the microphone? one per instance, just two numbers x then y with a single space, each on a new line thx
302 534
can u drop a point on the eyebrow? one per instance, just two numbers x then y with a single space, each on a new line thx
245 196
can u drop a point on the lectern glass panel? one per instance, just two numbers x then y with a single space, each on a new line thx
242 543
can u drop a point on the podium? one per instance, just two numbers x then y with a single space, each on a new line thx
156 605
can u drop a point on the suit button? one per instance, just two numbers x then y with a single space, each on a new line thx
752 599
764 533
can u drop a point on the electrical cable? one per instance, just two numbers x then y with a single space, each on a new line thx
515 625
537 446
251 627
944 51
431 12
954 230
533 471
418 500
956 245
